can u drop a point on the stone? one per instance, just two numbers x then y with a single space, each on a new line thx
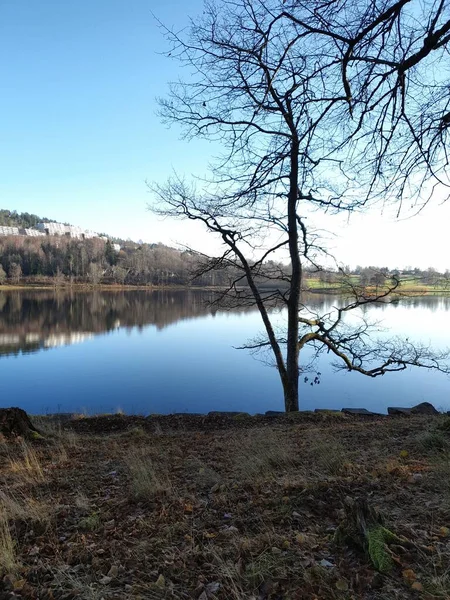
326 564
358 411
274 413
187 414
113 572
105 580
424 408
223 413
398 411
212 588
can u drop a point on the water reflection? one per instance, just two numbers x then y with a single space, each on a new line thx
31 321
170 351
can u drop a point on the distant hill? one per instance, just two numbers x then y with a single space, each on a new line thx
11 218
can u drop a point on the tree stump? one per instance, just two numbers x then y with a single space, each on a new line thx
14 422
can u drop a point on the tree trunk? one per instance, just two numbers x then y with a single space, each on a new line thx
15 422
292 351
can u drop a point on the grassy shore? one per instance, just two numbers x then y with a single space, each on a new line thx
408 288
244 508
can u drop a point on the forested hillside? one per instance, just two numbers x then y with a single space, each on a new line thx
11 218
60 259
63 259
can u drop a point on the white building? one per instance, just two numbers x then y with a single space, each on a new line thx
67 230
32 232
52 228
9 230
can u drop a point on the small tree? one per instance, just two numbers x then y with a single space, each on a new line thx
120 274
2 274
15 273
110 253
95 273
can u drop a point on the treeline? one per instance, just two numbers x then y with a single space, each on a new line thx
62 259
379 276
11 218
68 260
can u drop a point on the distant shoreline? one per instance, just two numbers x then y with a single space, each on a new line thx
406 291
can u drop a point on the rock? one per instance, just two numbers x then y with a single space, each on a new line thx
424 408
15 421
358 411
326 564
398 411
274 413
212 588
223 413
241 415
113 572
187 414
231 530
105 580
327 411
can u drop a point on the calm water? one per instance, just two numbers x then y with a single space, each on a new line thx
164 352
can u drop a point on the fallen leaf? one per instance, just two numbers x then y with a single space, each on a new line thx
409 575
341 585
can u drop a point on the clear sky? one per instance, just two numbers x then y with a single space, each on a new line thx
79 133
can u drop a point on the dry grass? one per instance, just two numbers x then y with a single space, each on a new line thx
28 465
53 429
80 586
329 456
8 558
148 479
263 453
18 506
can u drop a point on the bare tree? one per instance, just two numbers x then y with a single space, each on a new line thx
15 272
316 105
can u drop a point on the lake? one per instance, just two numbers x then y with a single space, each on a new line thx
168 351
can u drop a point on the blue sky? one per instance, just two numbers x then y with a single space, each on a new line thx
79 133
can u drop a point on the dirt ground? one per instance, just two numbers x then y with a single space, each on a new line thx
214 508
